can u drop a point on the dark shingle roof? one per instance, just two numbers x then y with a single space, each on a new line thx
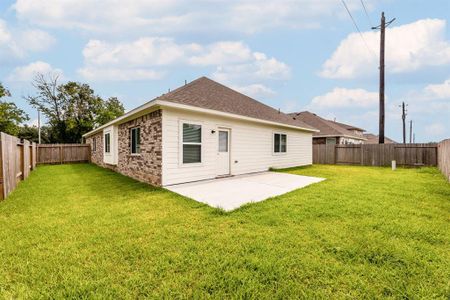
373 139
326 127
206 93
347 126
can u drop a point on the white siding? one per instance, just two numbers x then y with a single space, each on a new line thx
251 147
111 157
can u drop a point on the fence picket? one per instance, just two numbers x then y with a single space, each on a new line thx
376 154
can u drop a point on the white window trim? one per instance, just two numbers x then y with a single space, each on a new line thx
180 144
131 142
273 143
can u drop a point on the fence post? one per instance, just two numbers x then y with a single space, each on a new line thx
22 161
61 154
361 147
335 153
2 190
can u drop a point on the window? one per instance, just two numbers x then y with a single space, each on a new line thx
192 143
223 141
107 143
331 141
279 143
94 144
135 135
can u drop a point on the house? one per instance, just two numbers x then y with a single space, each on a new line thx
202 130
331 132
373 139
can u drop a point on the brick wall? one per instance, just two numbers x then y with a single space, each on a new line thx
145 166
97 155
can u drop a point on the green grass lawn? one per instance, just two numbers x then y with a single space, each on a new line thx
82 231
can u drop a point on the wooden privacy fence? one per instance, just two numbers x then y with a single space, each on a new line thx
377 154
63 153
444 158
17 159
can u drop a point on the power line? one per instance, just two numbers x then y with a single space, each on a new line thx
357 28
367 14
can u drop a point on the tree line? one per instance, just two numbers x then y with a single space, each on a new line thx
71 109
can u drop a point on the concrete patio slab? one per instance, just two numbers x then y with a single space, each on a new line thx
233 192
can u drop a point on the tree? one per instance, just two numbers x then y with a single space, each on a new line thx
31 133
111 109
10 115
71 109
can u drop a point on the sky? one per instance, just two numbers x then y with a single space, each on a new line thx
292 55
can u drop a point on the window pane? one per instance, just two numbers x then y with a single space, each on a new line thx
283 143
192 133
138 140
192 154
276 144
331 141
107 143
223 141
135 140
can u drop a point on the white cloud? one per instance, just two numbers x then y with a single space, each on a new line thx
146 51
438 91
28 72
255 90
344 98
435 129
118 74
15 43
222 53
259 67
162 17
36 40
148 58
408 48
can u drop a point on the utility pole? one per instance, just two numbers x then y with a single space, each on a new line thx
39 126
410 131
404 120
382 28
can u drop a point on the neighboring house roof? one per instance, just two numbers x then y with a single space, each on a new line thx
349 127
206 95
327 128
373 139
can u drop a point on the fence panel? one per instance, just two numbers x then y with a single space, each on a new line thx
16 162
376 154
63 153
444 158
323 154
